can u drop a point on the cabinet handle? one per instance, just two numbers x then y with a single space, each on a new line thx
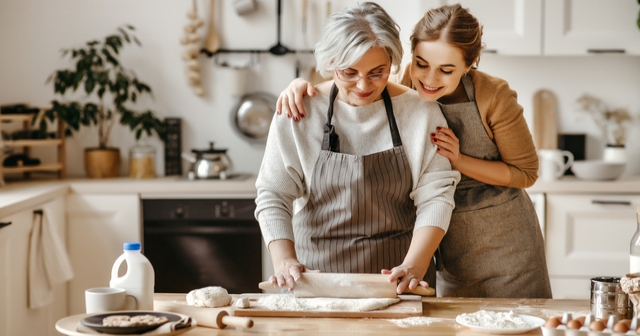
490 51
606 51
611 202
4 224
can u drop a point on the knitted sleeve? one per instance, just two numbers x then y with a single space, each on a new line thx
505 123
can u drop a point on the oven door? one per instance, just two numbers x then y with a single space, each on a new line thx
205 242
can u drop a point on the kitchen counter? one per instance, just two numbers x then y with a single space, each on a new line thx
571 184
438 319
19 195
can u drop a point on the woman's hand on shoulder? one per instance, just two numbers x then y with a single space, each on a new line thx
290 100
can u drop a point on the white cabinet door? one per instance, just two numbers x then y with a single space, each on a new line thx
6 235
16 318
579 27
511 27
98 226
588 236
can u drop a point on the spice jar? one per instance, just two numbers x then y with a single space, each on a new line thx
142 162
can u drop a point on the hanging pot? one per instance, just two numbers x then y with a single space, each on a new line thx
210 163
252 116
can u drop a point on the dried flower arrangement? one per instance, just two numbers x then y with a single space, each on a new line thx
612 122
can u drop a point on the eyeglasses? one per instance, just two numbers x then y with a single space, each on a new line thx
345 77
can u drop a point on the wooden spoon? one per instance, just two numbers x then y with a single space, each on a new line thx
314 77
212 42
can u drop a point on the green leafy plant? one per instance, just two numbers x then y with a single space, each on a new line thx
109 90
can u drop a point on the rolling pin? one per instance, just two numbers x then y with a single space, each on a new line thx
206 317
347 285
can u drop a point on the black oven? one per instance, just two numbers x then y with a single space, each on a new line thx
194 243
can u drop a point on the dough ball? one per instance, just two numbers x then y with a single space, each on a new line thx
243 302
212 296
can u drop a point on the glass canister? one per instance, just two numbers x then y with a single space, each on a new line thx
142 162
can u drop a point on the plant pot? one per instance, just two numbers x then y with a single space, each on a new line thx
615 153
100 163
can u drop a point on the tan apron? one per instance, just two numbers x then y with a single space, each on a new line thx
494 246
359 217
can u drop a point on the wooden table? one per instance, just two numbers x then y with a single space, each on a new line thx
438 319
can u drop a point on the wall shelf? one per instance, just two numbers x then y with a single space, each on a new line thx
25 146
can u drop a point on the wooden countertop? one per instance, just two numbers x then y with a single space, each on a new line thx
438 319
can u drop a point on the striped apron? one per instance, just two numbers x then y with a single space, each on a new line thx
494 246
359 217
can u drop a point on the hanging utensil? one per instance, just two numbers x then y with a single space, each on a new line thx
212 42
279 49
314 77
303 21
252 116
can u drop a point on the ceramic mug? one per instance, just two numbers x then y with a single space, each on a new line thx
552 163
104 299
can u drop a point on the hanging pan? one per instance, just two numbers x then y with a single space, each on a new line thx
252 116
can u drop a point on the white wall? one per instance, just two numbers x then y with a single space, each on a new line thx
33 32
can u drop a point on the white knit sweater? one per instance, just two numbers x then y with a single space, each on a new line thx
292 150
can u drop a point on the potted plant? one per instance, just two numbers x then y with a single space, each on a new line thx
613 124
108 89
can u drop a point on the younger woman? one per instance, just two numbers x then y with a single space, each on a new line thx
494 246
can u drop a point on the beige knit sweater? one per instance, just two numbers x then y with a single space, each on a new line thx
292 150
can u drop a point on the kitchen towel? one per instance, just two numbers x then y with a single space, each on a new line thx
49 263
184 322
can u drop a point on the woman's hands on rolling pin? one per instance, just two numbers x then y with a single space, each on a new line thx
286 266
287 272
290 100
448 144
406 277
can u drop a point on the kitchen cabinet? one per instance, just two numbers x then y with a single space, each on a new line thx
556 27
579 27
98 226
588 235
511 27
16 318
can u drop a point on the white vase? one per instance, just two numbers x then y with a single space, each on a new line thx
614 153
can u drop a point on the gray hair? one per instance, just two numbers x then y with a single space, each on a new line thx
348 34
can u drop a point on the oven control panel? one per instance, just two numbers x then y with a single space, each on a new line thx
198 209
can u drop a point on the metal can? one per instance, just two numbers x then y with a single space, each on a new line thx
608 298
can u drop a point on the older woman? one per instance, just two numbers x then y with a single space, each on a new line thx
494 246
358 187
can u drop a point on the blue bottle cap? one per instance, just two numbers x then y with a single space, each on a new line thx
131 246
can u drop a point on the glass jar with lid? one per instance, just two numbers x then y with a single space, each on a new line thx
142 161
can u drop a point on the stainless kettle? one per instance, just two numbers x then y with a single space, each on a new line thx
210 163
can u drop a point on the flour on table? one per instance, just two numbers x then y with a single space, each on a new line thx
418 321
494 320
291 303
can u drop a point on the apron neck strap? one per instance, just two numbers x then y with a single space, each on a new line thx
393 127
331 140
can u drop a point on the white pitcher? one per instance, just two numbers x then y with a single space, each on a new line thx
552 163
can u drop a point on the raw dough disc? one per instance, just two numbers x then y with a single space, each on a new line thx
291 303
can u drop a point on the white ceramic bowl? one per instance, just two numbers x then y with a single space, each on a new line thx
597 170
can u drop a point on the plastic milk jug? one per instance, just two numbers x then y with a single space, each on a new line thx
139 279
